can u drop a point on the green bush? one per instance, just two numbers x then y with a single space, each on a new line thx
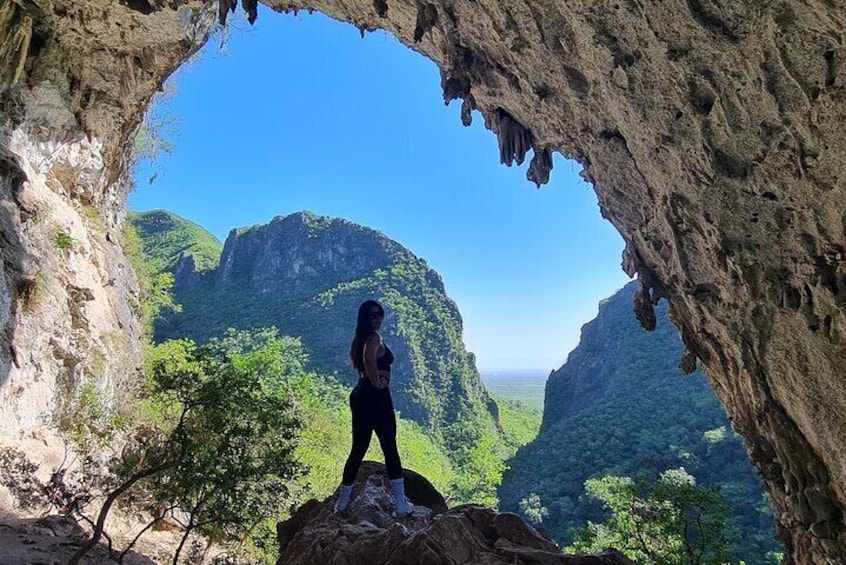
86 421
155 284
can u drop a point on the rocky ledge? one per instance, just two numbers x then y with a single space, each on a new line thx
368 533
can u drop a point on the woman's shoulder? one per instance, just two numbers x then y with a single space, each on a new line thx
374 339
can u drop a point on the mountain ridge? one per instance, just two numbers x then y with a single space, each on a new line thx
306 275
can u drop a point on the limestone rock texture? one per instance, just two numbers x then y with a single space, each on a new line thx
368 533
711 129
72 76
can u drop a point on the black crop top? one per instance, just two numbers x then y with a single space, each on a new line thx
383 363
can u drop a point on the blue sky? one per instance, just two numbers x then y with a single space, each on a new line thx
300 113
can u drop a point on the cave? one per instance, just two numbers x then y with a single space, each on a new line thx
710 129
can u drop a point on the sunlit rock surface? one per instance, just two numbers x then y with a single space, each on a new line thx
69 299
713 130
368 533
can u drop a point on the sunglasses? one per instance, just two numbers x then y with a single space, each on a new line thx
377 314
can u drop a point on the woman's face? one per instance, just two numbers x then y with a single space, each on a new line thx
376 317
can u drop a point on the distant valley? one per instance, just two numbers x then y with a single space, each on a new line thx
526 386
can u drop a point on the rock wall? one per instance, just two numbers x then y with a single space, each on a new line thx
712 130
73 80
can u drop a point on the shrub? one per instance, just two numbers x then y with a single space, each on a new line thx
220 438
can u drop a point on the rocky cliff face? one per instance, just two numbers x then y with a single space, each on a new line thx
617 362
621 406
367 532
711 129
69 300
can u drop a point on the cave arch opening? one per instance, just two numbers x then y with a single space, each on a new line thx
674 175
354 127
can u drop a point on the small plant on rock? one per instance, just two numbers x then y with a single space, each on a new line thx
62 239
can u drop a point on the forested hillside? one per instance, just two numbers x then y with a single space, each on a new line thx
621 406
167 239
306 276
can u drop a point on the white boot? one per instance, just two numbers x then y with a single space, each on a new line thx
403 506
343 499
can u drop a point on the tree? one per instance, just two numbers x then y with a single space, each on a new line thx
532 510
481 468
221 433
669 521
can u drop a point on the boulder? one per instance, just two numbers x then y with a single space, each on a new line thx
367 533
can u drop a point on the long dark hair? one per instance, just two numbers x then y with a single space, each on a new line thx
363 330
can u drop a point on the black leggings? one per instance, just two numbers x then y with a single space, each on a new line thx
372 411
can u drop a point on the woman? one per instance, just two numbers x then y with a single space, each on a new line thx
372 408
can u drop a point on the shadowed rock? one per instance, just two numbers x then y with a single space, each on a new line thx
367 533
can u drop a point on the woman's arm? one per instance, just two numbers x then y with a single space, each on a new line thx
371 348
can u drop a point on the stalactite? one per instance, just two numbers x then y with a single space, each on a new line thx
688 362
223 9
15 39
540 167
251 7
455 85
467 106
643 306
514 140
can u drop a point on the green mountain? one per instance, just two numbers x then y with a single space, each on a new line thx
169 239
306 275
620 405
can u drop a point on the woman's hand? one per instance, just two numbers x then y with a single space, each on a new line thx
380 382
